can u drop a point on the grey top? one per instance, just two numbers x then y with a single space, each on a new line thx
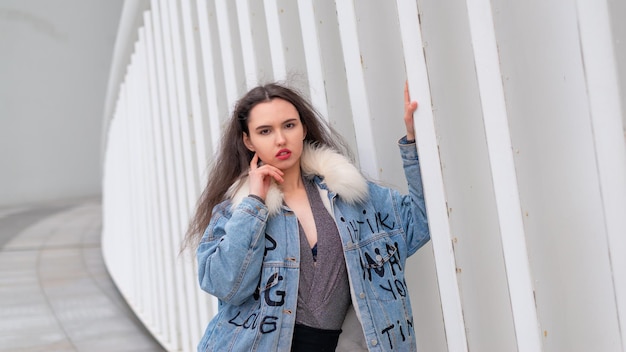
324 290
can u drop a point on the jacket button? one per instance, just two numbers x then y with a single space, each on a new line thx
379 258
362 295
374 342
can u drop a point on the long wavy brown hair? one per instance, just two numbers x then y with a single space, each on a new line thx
232 160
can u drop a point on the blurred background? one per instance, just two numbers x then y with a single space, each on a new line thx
54 68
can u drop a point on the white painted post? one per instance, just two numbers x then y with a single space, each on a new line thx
285 43
312 50
432 177
188 185
197 92
504 177
605 109
214 78
325 65
170 337
230 50
156 177
173 170
145 270
356 87
255 51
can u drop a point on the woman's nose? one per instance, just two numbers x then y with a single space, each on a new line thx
280 137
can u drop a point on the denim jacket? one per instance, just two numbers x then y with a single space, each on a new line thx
250 253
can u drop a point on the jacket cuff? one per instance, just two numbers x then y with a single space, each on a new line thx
408 149
257 198
404 140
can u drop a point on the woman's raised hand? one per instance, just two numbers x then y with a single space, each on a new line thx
409 109
260 177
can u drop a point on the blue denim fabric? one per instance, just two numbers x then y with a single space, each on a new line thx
250 262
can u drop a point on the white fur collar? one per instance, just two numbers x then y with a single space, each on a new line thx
338 173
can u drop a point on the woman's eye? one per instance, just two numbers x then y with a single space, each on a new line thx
290 125
263 132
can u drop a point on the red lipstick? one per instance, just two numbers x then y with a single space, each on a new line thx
283 154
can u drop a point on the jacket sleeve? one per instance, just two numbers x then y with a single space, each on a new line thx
230 254
412 206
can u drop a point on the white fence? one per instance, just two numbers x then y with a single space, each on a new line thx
520 133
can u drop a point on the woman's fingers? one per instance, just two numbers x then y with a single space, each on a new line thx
260 177
409 109
409 106
407 97
272 171
254 163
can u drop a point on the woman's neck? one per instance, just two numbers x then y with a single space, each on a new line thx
292 180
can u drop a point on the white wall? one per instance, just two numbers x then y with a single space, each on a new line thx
520 134
54 65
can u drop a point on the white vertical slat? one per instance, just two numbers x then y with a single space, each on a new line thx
184 113
138 181
214 78
325 65
313 54
190 184
504 177
254 42
162 326
247 43
153 177
177 111
605 107
229 49
179 196
122 204
432 177
132 228
279 61
200 131
142 271
132 179
165 83
384 76
356 87
145 269
285 42
197 90
170 338
129 223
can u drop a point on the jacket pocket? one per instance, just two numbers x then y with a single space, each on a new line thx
382 265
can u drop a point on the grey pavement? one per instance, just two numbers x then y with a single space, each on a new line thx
55 292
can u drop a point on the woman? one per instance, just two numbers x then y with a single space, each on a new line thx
303 253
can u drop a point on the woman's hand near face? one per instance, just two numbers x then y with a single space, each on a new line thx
260 177
409 109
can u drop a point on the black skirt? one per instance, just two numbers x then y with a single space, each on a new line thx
308 339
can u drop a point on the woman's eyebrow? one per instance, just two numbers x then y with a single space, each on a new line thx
262 127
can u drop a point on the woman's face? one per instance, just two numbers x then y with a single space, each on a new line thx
276 133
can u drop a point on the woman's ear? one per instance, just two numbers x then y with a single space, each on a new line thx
247 143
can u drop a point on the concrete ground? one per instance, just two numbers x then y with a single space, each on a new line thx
55 292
